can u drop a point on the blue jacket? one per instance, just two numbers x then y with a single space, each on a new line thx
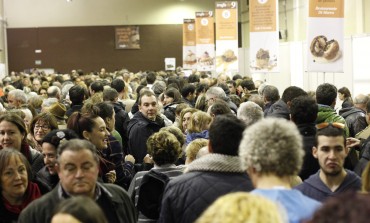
314 188
196 135
298 206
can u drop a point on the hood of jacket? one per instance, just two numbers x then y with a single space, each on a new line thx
279 109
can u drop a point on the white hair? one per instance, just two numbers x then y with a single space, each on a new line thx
249 112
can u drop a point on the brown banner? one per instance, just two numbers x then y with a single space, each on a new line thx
204 27
226 21
326 9
262 15
189 32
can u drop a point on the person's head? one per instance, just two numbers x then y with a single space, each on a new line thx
118 84
16 98
225 134
219 108
171 95
249 112
360 101
151 77
36 85
199 121
176 132
148 104
330 148
96 86
78 167
77 94
214 93
222 78
365 179
110 94
159 87
50 144
106 111
13 131
272 146
344 93
164 148
270 94
232 86
54 92
42 124
43 92
292 92
91 127
188 92
15 172
303 109
248 85
185 116
326 94
242 207
349 206
78 209
193 148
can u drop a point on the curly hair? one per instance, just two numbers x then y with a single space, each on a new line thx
176 132
241 207
193 148
272 146
326 94
164 147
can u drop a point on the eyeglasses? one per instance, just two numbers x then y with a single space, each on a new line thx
43 127
333 124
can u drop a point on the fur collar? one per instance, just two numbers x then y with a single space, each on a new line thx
216 163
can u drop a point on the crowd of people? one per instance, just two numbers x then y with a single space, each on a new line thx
165 147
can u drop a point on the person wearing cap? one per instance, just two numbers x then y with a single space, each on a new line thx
332 179
47 178
58 110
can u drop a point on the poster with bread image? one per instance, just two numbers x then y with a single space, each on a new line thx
325 36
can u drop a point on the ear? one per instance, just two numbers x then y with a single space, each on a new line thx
86 135
314 151
210 150
57 168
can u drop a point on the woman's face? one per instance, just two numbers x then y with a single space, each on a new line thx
99 134
185 120
14 180
167 100
341 96
50 157
10 136
43 93
40 130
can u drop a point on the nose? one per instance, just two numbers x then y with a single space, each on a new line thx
332 154
79 173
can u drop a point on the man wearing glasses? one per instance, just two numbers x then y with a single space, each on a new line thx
330 150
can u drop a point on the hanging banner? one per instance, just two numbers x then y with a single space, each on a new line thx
205 43
227 37
189 59
264 35
325 37
127 37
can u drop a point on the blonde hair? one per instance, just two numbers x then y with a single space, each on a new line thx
193 148
365 178
199 121
241 207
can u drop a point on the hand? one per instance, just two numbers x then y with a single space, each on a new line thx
111 176
352 142
130 158
148 159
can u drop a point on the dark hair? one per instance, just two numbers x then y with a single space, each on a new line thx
225 134
330 131
104 110
248 84
81 122
110 94
17 121
187 89
143 93
173 80
231 82
220 107
78 145
236 77
54 137
326 94
345 91
271 93
77 94
97 86
349 206
45 117
151 77
83 208
173 93
118 84
193 78
303 109
6 154
292 92
164 147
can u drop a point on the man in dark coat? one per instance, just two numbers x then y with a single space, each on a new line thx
208 177
143 125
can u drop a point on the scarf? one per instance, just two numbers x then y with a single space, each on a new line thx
216 163
32 193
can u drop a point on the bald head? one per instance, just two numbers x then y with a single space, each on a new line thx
360 101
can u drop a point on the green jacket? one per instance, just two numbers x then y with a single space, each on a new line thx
328 114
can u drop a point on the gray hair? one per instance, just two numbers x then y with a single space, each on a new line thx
249 112
272 146
19 95
53 92
361 99
216 92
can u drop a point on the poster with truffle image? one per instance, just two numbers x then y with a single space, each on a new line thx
189 59
264 36
227 37
325 36
205 43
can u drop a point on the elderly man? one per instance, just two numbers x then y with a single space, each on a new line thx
16 98
217 93
78 168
